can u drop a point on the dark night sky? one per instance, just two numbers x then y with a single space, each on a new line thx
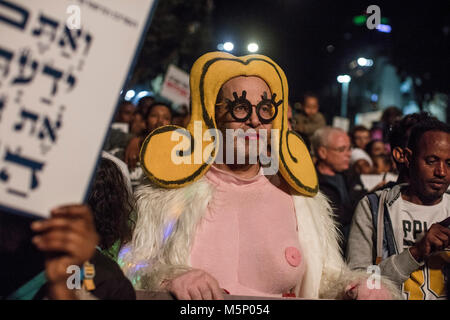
295 34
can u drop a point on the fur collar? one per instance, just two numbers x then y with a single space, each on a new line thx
167 220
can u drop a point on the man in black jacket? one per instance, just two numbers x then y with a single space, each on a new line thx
332 149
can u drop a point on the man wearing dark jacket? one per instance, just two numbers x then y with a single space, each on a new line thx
332 148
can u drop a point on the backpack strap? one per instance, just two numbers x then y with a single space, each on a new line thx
389 234
377 210
374 202
380 223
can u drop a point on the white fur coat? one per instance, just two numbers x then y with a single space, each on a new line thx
167 220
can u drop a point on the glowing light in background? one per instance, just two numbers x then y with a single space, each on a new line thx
374 97
228 46
130 94
384 28
363 62
344 78
361 20
142 94
252 47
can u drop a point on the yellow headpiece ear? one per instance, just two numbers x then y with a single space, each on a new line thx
173 157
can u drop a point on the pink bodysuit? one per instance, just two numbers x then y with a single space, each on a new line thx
248 237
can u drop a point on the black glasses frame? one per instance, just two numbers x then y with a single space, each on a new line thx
243 101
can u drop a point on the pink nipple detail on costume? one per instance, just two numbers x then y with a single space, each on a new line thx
293 256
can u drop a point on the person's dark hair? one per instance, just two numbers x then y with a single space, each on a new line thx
157 103
111 204
145 101
388 118
401 129
421 128
369 146
391 113
356 129
308 94
124 102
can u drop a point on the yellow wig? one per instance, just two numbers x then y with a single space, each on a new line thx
171 164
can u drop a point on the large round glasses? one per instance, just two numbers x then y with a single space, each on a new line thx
241 109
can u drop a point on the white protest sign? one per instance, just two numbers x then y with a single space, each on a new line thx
176 86
62 66
370 181
368 118
342 123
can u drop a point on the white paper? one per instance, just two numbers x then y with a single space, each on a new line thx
176 86
371 180
59 94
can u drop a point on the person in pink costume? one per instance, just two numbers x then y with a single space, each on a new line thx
240 229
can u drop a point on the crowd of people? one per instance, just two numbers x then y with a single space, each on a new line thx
309 231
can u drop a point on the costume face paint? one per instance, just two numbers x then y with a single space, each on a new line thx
169 154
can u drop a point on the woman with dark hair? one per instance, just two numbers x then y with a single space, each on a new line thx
375 148
158 114
112 206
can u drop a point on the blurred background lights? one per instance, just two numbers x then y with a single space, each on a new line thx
220 46
363 62
374 97
228 46
344 78
384 28
252 47
142 94
130 94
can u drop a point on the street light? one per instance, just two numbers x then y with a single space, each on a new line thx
363 62
228 46
344 79
252 47
142 94
130 94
